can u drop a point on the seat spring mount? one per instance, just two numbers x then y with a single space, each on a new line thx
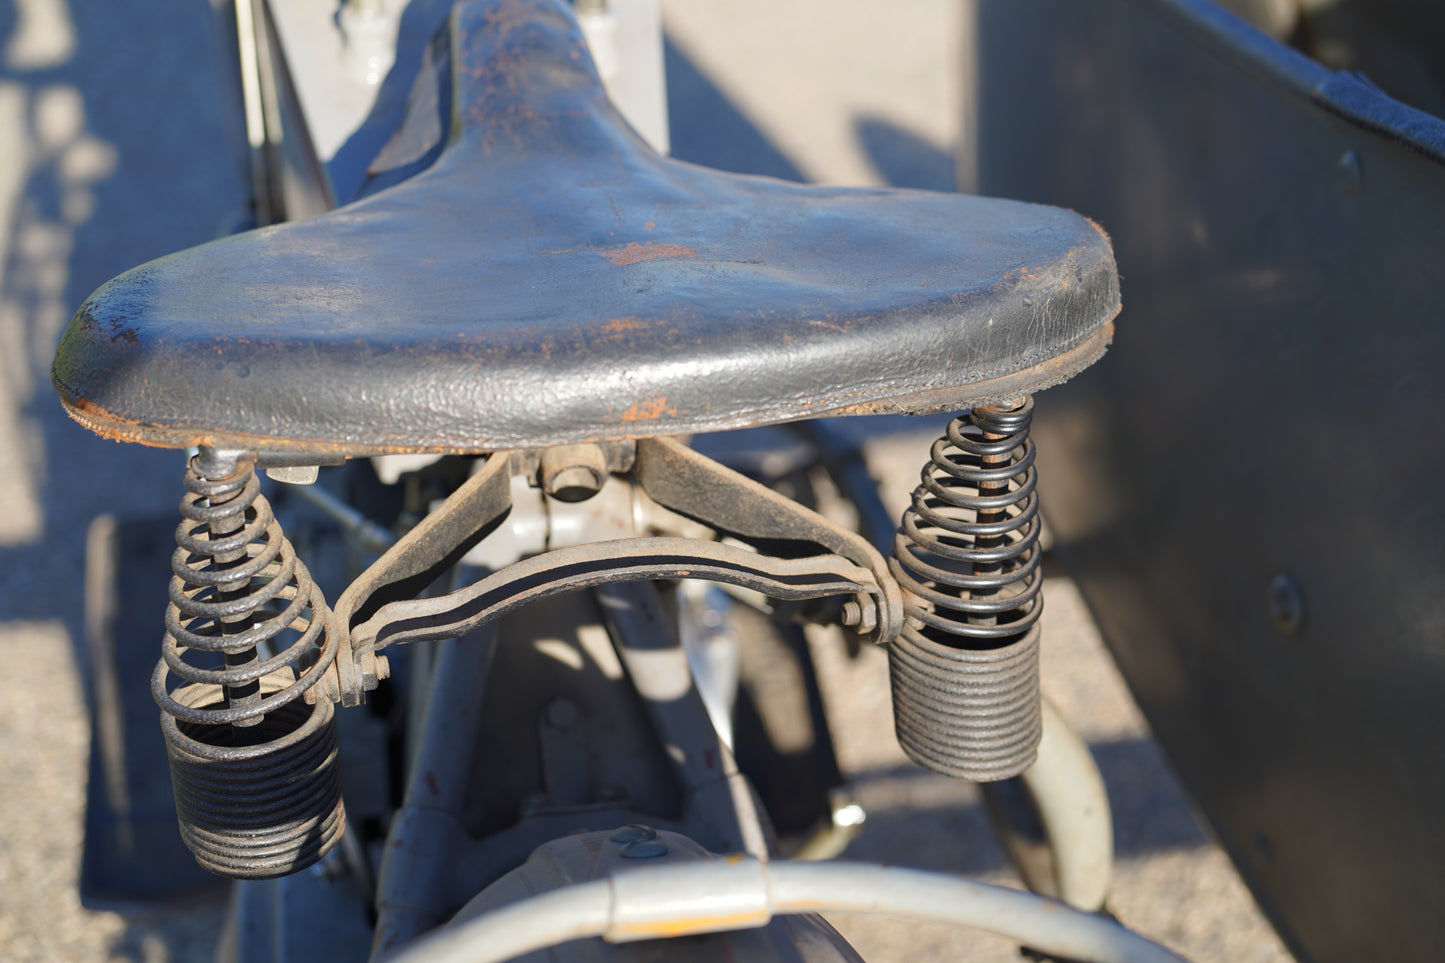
964 671
253 764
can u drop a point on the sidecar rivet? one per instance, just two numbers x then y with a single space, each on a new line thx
1351 176
1286 605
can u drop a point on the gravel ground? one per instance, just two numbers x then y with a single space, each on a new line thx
113 153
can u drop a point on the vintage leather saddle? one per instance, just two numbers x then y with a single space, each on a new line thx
551 279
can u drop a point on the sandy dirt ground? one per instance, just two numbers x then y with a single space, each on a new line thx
114 149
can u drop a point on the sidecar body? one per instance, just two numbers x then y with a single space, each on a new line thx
1252 489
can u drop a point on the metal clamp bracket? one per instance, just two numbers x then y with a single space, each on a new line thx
601 563
733 505
788 553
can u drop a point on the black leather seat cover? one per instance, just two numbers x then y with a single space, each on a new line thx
552 279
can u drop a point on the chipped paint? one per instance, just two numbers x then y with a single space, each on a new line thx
703 923
634 252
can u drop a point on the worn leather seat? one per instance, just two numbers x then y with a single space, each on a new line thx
552 279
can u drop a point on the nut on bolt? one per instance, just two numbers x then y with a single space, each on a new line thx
573 473
860 614
372 668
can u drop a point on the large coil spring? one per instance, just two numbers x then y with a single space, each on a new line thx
253 764
965 668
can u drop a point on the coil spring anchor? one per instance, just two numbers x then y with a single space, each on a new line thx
964 671
253 764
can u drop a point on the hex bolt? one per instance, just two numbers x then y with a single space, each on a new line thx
1286 604
644 849
852 612
366 667
632 834
573 473
383 667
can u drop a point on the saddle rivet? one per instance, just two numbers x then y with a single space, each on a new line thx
573 473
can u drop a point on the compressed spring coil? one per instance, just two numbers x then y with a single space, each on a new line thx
964 671
253 764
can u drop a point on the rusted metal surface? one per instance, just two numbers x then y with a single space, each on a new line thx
417 559
379 611
601 563
693 485
794 554
550 279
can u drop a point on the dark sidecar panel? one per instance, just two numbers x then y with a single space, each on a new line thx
551 279
1252 491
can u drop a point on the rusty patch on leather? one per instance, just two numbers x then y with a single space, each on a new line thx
649 410
619 328
635 252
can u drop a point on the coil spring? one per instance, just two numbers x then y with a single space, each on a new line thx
253 764
964 670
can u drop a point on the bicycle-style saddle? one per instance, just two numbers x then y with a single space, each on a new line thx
550 279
